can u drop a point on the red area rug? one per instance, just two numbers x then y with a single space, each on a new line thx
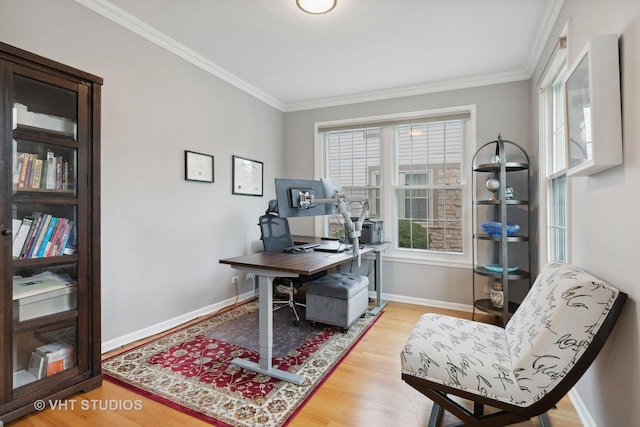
190 369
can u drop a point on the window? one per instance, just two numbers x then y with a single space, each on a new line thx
412 171
417 202
554 171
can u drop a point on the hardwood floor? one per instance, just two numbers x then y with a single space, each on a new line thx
365 390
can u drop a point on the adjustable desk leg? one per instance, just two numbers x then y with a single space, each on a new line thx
265 306
378 281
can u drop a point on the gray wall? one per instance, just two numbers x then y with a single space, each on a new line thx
501 109
604 211
162 236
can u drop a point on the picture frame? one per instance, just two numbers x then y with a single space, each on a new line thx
198 167
248 176
593 117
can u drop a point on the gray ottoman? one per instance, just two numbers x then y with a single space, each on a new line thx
337 299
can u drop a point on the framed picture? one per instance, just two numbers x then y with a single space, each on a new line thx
247 176
198 167
593 123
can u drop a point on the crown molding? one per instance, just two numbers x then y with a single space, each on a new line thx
133 24
544 32
400 92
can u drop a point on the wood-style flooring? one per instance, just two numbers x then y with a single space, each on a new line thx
364 391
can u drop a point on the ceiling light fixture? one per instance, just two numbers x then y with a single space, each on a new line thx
316 7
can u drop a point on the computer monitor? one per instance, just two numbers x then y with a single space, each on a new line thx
289 202
304 197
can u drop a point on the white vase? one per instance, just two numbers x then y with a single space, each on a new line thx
497 298
496 295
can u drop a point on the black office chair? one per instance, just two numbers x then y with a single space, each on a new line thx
276 236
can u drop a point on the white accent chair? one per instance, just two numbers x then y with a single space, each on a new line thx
524 369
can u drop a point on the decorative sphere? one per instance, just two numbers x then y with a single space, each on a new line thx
492 184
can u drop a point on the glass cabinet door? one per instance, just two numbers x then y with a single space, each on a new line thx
48 267
43 107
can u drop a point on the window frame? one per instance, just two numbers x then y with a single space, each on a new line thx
551 170
388 188
428 188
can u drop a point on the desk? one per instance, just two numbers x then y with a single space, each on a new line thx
266 266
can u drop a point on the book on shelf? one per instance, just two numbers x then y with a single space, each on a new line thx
65 176
37 217
22 377
28 175
42 229
59 162
37 174
38 365
65 238
51 227
50 181
55 237
23 171
21 236
47 281
17 167
15 227
58 355
71 244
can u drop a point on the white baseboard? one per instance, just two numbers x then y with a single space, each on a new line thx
172 323
581 409
427 302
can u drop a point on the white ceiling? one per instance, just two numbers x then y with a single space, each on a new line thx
362 50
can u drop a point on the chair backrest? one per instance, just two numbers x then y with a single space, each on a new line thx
559 329
275 233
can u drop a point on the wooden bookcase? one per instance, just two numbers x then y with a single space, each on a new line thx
50 186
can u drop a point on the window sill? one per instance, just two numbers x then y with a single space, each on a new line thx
452 261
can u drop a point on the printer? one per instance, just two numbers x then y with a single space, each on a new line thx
371 230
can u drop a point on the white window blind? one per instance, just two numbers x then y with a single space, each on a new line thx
412 171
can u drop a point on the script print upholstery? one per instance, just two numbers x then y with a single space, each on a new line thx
521 363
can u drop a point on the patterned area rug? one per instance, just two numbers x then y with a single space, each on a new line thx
190 369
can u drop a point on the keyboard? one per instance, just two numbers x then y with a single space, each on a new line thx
301 248
333 246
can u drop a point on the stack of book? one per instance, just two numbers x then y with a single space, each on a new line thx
43 235
24 118
50 359
46 360
43 294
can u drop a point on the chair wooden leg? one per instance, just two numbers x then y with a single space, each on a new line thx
478 409
467 418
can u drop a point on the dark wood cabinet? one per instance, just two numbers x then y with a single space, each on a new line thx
49 232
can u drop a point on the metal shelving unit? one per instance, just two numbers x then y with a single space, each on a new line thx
506 165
